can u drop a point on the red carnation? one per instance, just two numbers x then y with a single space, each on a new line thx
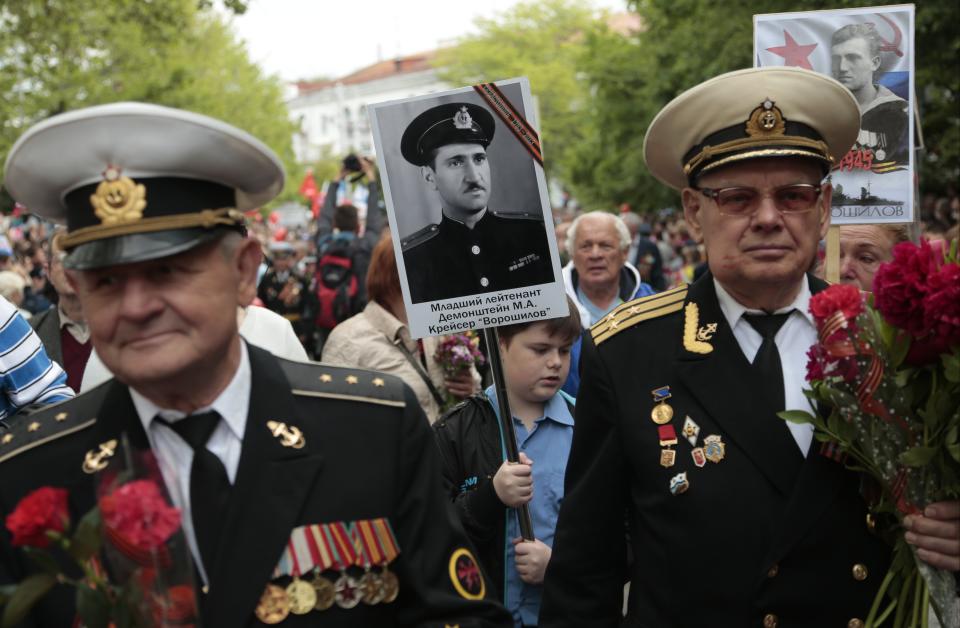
44 510
844 298
814 364
901 285
942 305
138 513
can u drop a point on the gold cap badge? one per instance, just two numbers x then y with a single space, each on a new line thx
766 121
118 198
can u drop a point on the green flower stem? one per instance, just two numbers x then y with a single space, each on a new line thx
907 587
886 613
872 615
855 453
925 612
917 599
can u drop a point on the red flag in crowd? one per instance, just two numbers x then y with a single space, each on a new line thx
309 191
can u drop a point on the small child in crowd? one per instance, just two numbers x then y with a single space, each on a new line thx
486 489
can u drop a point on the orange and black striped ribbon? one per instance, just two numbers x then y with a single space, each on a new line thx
517 124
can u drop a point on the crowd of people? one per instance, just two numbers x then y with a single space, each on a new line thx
146 318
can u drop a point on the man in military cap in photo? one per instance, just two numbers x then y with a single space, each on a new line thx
268 460
474 249
733 515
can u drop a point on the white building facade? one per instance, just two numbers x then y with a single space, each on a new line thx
332 115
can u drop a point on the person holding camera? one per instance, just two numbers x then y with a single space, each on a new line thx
344 248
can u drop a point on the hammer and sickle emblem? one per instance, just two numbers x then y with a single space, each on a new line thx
97 460
707 331
891 46
290 436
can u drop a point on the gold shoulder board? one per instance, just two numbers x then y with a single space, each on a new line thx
636 311
33 428
350 384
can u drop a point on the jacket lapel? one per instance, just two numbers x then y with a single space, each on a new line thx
725 386
116 419
271 486
819 482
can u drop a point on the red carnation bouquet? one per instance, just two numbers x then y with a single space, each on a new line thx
125 558
886 375
456 354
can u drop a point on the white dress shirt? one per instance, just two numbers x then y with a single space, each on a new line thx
793 341
175 456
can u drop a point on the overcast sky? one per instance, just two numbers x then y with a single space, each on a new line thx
311 38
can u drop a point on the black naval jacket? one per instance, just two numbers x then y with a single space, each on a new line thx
369 453
502 251
763 537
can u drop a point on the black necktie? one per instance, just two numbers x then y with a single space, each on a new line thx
767 363
209 484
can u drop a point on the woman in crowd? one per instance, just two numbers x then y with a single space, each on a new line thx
378 338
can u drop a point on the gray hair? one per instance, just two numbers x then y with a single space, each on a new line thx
631 219
618 224
11 284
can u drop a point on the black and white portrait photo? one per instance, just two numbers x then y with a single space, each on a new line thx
467 200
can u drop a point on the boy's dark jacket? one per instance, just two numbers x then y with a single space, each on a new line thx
471 451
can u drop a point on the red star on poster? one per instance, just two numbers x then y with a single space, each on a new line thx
793 53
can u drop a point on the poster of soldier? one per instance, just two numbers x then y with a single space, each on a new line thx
870 51
469 211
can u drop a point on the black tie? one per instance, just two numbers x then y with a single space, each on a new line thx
209 484
767 363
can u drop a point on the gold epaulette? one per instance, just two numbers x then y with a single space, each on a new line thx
36 426
638 310
315 379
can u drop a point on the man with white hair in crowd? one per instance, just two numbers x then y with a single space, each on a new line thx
598 277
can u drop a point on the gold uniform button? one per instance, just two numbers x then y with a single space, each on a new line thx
773 571
871 522
855 623
860 573
769 621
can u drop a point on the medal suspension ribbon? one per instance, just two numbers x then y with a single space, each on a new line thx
341 541
309 546
375 542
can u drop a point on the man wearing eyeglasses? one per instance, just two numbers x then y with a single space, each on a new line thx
733 516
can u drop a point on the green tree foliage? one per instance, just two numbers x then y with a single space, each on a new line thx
688 41
60 55
542 41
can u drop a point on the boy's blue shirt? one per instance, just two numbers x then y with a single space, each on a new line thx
548 445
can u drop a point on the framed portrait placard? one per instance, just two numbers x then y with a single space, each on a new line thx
871 52
469 212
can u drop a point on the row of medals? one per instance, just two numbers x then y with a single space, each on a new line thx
319 594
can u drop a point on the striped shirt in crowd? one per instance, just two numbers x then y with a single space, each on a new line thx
27 375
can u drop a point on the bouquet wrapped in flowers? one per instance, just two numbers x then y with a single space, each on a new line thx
886 375
129 567
455 354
